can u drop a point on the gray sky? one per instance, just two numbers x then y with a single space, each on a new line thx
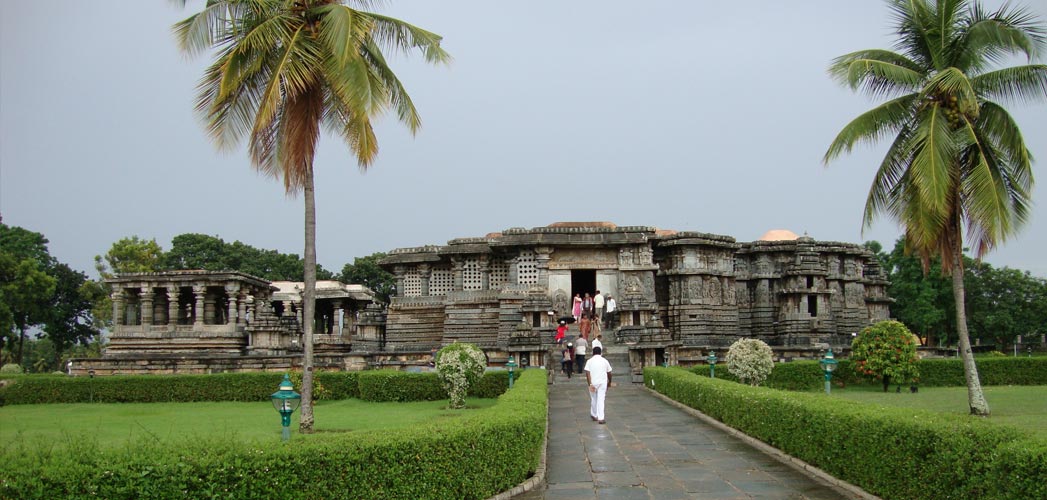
703 116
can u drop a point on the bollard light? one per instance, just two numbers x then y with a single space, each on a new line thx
828 365
511 365
286 401
712 364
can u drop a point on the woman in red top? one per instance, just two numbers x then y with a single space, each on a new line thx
561 331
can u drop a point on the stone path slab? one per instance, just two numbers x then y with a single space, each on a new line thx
650 449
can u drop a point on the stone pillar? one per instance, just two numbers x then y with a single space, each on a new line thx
514 271
424 271
287 308
485 273
147 304
542 256
118 307
457 269
172 305
337 319
241 308
399 271
232 291
198 312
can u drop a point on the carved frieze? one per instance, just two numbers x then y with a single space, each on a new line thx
570 258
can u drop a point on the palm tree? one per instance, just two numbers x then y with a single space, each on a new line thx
957 160
282 70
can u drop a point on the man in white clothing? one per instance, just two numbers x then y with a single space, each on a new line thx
598 341
598 303
610 311
598 374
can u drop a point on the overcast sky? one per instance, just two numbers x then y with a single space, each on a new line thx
701 116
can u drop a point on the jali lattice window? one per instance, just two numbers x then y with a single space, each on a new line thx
471 278
527 268
412 284
441 281
499 274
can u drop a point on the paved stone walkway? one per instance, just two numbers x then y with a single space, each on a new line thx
650 449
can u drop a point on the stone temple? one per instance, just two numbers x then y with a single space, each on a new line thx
680 295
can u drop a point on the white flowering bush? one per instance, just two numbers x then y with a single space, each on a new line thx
750 360
459 366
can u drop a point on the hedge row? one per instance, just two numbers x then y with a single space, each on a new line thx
892 453
377 385
476 456
935 372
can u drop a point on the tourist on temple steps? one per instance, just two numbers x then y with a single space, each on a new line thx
597 343
585 325
598 304
598 375
579 352
587 305
561 332
567 360
576 310
610 312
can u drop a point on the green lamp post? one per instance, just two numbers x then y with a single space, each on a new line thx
286 401
511 365
712 364
828 365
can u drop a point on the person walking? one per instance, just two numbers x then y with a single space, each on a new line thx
576 309
567 360
597 343
598 375
585 325
611 310
580 346
561 332
587 305
598 304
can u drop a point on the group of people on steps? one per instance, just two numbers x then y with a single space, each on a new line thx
588 312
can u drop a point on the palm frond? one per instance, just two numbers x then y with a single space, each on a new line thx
931 172
400 36
877 72
1024 84
872 126
887 182
996 124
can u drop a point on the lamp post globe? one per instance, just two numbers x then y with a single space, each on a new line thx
511 365
286 401
828 365
712 364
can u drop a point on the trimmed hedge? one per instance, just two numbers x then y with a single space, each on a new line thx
378 385
476 456
890 452
934 372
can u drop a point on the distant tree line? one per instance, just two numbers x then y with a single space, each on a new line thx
50 312
1002 303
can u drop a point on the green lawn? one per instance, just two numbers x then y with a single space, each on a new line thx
1020 406
119 423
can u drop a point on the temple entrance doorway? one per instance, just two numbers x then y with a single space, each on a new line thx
583 281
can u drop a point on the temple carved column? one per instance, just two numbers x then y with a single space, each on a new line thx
232 291
147 304
337 319
514 271
172 305
457 269
543 256
198 312
241 308
399 271
424 271
485 273
118 307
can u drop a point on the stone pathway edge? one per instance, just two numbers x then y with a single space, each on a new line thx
803 467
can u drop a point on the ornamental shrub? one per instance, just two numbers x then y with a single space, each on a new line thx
11 368
459 366
750 360
886 351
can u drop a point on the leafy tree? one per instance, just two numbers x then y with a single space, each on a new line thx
751 360
958 160
25 286
283 69
923 302
886 351
366 271
127 255
68 320
200 251
1004 303
459 366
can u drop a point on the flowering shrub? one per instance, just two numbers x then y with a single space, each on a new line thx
887 351
459 366
750 360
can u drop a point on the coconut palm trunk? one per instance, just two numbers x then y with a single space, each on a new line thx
305 424
975 396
